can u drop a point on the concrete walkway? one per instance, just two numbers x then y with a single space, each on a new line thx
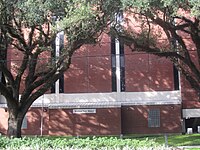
189 147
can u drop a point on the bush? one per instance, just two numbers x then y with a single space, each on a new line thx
89 143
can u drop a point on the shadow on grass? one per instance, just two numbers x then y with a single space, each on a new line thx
184 140
172 139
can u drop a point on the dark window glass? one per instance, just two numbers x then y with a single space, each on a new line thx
154 118
176 78
113 64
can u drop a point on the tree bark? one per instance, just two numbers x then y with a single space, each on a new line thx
14 124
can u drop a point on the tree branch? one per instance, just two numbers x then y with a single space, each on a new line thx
21 70
8 75
31 69
31 36
13 32
11 101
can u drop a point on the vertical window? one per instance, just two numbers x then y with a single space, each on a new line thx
113 61
174 47
0 76
57 47
119 21
61 46
24 123
117 58
61 84
122 67
114 65
53 46
154 118
176 78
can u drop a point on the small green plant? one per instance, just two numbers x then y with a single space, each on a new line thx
89 143
100 143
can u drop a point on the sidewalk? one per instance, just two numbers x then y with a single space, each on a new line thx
188 147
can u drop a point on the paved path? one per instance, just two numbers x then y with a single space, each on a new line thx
188 147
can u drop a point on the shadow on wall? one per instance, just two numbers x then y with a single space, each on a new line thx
103 122
190 98
135 119
14 60
2 130
3 121
145 72
30 127
90 70
37 120
60 122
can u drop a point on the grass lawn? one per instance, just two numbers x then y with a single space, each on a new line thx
180 140
173 139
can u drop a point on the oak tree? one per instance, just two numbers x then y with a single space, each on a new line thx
166 28
30 27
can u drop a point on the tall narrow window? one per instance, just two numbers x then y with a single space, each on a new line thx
24 123
57 47
175 70
122 67
154 118
113 61
176 78
53 46
3 56
61 46
117 52
0 76
2 79
61 84
174 48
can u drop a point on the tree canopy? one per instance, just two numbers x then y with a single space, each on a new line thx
30 27
167 28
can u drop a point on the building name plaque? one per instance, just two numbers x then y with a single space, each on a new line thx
84 111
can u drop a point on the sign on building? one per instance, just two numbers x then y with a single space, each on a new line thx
84 111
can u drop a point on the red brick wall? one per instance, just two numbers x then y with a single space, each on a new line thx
90 70
3 121
135 119
14 60
144 72
189 95
190 98
33 121
34 116
106 121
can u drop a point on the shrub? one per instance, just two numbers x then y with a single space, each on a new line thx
89 143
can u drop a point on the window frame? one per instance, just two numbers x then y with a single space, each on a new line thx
154 118
24 123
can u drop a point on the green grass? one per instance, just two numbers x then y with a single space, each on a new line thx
172 139
180 140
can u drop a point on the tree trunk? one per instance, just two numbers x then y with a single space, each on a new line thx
14 124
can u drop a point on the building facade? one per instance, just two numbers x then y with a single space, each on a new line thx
110 90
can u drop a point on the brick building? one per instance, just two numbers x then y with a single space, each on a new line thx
110 90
